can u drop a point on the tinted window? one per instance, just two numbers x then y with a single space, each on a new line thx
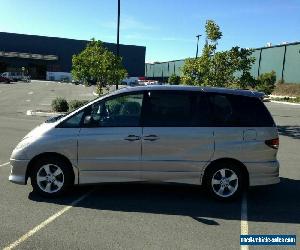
252 112
171 109
121 111
73 122
222 110
239 111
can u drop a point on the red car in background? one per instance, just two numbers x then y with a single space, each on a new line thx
4 79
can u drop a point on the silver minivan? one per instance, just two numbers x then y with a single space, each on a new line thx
223 139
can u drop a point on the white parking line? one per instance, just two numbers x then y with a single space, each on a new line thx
45 223
30 93
244 219
4 164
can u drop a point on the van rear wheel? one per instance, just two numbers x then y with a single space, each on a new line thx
51 177
224 181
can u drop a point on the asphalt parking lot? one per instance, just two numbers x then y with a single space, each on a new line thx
138 216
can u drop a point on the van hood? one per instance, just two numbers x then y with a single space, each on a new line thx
40 130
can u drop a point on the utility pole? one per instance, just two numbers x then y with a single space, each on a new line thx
198 36
118 37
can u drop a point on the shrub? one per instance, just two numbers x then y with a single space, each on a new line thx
174 79
99 90
75 104
60 105
281 81
266 82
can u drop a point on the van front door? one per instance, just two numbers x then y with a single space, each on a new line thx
109 145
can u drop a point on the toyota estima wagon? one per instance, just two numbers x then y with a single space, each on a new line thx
223 139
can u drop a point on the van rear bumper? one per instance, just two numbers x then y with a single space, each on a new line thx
263 173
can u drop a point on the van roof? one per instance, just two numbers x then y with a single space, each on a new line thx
242 92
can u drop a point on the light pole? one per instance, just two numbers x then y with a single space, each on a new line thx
198 36
118 37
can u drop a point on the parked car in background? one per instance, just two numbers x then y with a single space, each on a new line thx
131 81
223 139
16 76
13 76
4 79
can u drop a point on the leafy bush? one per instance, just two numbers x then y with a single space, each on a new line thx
174 79
75 104
99 90
266 82
60 105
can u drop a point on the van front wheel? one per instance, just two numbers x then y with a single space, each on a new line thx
224 181
51 178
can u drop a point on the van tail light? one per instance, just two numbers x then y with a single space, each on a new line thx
273 143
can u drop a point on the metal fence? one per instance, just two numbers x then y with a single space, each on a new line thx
283 59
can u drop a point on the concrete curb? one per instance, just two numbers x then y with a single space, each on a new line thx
288 103
42 113
281 96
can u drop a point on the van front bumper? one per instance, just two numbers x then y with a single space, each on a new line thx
263 173
18 171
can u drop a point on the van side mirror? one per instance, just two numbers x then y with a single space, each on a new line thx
87 120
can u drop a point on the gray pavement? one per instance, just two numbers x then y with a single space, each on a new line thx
138 216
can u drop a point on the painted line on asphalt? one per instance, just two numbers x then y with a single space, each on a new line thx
46 222
244 219
4 164
30 93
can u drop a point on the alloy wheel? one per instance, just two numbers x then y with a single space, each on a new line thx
50 178
224 182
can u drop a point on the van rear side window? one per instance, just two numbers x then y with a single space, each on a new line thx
176 109
239 111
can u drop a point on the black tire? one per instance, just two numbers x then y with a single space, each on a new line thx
65 178
214 174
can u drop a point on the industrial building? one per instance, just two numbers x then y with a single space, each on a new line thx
51 57
284 59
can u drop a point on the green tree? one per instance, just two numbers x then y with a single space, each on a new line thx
97 64
213 32
221 69
174 79
266 82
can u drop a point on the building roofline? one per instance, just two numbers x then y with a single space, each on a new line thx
167 61
260 48
278 45
63 38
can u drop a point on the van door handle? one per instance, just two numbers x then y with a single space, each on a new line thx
150 137
132 138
